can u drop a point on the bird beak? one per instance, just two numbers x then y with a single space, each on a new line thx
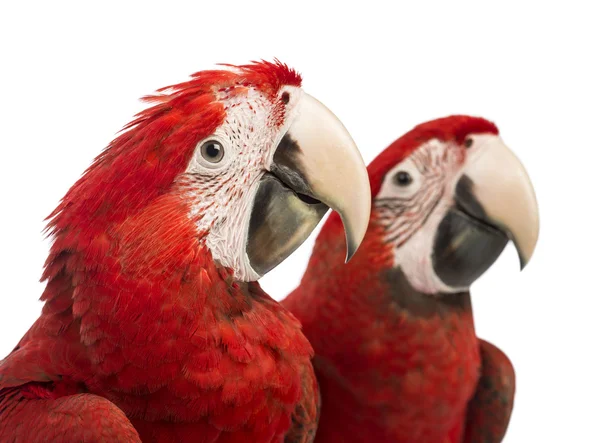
494 202
316 166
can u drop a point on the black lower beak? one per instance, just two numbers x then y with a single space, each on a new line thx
280 222
284 214
467 244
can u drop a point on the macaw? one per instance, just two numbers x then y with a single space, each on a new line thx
153 327
397 357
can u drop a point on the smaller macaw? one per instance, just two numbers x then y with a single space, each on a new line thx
397 357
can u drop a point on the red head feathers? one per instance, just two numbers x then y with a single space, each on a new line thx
448 129
154 148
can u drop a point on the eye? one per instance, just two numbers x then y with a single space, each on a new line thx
212 151
403 178
468 142
285 98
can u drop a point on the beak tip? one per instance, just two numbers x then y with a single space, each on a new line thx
523 261
351 248
523 264
355 233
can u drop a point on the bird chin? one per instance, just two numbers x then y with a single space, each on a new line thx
465 247
281 220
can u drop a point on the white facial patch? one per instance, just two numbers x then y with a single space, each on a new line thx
411 211
223 193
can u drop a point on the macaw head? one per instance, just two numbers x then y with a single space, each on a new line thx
447 197
242 154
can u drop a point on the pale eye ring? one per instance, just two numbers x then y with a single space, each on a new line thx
212 151
403 178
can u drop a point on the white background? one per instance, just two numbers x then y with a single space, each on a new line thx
70 77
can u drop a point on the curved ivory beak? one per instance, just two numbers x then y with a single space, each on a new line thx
317 157
501 186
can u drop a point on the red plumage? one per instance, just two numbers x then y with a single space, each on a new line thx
395 365
141 331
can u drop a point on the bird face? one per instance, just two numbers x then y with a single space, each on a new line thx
452 201
261 181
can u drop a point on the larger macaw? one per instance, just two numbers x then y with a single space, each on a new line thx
153 326
397 357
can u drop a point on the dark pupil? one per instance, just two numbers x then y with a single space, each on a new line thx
213 150
403 178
